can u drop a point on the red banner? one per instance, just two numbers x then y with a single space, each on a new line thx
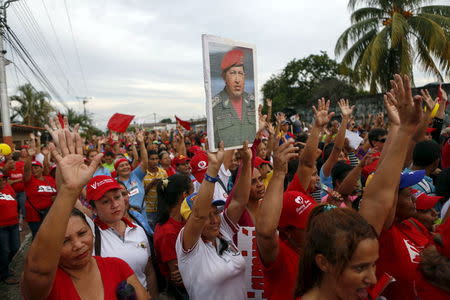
119 122
185 124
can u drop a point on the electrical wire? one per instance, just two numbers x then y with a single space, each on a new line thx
76 48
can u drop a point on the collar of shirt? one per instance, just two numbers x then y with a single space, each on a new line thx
104 226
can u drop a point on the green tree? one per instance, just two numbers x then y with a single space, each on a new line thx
167 121
387 36
302 79
86 123
31 107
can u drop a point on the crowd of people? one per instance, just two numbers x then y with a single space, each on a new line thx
155 215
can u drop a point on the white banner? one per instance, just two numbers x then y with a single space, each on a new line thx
254 278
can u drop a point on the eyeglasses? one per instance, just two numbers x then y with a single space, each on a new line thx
382 140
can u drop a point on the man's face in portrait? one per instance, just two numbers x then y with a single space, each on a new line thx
234 79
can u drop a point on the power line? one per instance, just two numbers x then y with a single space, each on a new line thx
42 41
76 48
25 56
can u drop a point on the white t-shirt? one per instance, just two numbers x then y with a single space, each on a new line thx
219 192
134 248
206 275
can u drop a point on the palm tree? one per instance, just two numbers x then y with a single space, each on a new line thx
85 121
31 107
388 36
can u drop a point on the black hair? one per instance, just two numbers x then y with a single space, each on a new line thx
109 153
442 183
375 134
302 137
340 171
16 156
161 154
152 152
77 213
169 193
426 153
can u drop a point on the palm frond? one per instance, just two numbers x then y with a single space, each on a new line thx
443 21
442 10
366 13
430 32
354 32
399 28
405 63
379 48
426 61
358 47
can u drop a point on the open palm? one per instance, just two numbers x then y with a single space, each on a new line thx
321 115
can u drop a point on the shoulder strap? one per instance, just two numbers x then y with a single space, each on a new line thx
222 185
97 241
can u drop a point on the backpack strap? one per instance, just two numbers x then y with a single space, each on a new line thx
97 241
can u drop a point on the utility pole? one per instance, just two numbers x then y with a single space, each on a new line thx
85 101
6 119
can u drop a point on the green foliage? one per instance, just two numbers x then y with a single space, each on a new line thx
388 36
304 80
87 129
30 107
166 121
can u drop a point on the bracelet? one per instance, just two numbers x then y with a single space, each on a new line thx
211 179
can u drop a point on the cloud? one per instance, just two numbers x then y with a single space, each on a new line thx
143 57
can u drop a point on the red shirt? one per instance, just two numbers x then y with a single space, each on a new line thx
369 169
280 278
170 171
15 174
400 248
40 193
237 105
8 207
165 238
112 270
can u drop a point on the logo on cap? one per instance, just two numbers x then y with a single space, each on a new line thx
201 164
95 185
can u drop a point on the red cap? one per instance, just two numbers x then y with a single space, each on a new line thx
180 160
24 147
36 163
233 57
430 129
199 165
423 201
296 210
119 161
99 185
194 149
259 161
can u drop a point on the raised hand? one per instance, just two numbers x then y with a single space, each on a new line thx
280 117
139 135
409 109
346 109
321 115
261 118
215 159
55 128
282 154
245 152
428 100
68 154
390 103
269 102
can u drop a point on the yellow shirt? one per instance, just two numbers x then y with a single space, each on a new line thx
151 197
267 179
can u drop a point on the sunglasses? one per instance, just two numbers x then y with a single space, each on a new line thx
381 140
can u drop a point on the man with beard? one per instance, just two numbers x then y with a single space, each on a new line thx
234 111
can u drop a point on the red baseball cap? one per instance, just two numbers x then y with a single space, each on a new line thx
259 161
423 201
296 209
199 165
36 163
233 57
119 161
430 129
99 185
195 149
180 160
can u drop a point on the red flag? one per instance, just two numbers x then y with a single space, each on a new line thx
61 120
119 122
185 124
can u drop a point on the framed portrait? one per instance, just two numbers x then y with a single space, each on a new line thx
231 91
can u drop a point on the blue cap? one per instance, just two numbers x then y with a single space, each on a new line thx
411 178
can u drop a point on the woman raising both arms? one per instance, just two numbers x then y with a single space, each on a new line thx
59 264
